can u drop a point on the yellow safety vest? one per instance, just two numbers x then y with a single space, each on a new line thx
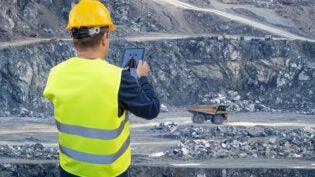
93 140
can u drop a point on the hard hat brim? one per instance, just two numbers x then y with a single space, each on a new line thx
112 27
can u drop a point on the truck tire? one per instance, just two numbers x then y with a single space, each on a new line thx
217 119
198 118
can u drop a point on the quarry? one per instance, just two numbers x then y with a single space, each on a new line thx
256 57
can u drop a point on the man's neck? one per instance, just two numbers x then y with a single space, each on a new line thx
89 54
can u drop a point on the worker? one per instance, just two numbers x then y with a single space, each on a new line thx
91 98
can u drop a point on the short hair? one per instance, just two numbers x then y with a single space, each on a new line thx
88 41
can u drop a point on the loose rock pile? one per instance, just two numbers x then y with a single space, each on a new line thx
238 142
35 151
202 143
236 103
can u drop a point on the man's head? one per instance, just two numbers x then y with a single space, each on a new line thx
91 37
90 24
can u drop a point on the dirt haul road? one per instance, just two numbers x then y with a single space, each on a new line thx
148 145
17 130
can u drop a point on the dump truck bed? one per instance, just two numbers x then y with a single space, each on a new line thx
208 109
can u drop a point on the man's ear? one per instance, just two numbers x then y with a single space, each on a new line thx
104 39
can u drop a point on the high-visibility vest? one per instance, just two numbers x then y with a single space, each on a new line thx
93 140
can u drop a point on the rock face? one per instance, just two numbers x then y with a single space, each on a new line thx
207 70
23 76
254 75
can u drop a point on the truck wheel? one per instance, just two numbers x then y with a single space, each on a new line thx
198 118
217 119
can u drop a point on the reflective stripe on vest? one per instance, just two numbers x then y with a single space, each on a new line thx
92 158
91 132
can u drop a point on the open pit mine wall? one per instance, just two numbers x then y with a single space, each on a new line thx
276 73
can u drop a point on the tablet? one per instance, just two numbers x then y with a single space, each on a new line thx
131 59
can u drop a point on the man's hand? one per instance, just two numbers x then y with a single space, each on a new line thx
143 69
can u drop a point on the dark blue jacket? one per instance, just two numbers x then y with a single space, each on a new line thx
141 101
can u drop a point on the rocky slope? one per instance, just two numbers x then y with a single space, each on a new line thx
38 18
249 75
298 15
46 18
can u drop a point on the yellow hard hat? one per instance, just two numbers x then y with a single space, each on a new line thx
89 13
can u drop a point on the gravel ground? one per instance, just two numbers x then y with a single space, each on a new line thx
234 142
173 136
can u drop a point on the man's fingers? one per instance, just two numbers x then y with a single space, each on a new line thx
140 62
143 63
143 68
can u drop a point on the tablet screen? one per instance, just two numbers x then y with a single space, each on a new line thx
131 59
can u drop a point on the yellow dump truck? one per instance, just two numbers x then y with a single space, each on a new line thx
215 112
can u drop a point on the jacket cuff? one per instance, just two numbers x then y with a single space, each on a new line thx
143 80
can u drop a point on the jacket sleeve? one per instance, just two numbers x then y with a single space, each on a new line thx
138 97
